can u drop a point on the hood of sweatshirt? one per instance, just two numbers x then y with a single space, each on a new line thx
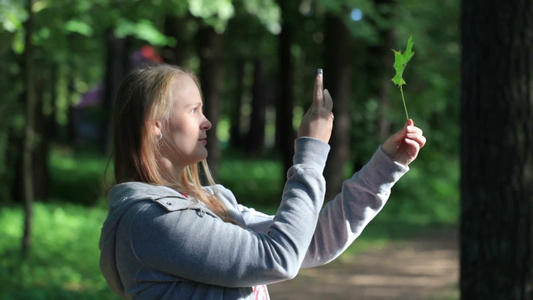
122 197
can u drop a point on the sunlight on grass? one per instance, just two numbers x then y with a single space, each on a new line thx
63 258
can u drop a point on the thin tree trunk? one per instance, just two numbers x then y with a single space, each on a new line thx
285 103
29 131
385 60
211 72
337 79
496 238
40 147
175 27
116 68
235 113
256 133
52 126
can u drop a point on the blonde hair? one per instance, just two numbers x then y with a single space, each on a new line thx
144 97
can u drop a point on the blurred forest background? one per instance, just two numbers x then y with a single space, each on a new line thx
62 60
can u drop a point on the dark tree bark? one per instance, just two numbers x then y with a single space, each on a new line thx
116 68
41 144
52 126
384 59
175 27
497 150
29 130
285 133
70 130
211 74
256 133
337 79
235 112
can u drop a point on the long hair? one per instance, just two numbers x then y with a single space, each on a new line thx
144 97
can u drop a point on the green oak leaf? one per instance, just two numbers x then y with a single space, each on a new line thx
401 60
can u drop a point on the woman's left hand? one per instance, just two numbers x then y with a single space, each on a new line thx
404 145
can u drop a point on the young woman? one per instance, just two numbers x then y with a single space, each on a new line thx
168 237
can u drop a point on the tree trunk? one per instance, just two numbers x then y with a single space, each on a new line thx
235 113
40 147
27 165
256 133
285 103
497 150
175 27
385 60
116 68
211 74
337 79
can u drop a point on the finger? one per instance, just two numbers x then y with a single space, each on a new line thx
421 140
410 122
414 129
416 136
413 149
318 96
328 101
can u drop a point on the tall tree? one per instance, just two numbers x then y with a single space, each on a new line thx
236 139
384 61
497 150
175 26
41 144
337 79
116 67
29 130
285 102
256 133
210 50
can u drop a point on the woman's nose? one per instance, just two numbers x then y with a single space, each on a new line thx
206 124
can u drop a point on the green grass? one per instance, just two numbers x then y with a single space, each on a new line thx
63 262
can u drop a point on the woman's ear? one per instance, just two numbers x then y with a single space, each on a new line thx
157 129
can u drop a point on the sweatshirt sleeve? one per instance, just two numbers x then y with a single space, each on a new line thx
199 247
343 219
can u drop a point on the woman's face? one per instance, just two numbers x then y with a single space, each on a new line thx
186 130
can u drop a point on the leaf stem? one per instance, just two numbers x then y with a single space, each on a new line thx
404 106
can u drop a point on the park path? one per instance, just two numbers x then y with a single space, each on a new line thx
423 267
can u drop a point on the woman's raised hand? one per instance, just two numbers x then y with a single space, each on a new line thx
404 145
318 120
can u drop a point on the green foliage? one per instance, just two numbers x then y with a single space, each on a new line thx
12 16
214 12
253 181
145 30
79 177
79 26
267 12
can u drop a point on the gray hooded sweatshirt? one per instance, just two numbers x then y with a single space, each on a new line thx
158 244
